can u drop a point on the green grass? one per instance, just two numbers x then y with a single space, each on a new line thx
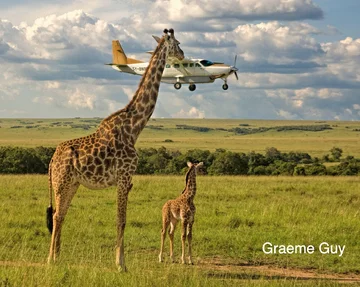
342 135
235 216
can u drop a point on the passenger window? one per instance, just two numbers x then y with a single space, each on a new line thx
167 66
191 65
185 65
176 66
197 65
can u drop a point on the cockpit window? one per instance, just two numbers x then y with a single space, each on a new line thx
206 63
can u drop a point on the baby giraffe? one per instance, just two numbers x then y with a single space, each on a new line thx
180 208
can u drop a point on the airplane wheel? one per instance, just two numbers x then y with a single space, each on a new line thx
225 87
192 87
177 86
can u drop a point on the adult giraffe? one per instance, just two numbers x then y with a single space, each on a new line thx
108 156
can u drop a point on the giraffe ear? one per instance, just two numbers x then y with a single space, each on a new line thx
157 39
189 164
200 164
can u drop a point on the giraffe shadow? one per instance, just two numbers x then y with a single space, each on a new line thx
246 271
248 276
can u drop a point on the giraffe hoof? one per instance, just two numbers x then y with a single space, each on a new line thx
122 269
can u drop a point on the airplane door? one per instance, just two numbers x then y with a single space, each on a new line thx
193 69
199 70
188 69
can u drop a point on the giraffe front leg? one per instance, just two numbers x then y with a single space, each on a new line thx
189 237
184 224
163 235
124 186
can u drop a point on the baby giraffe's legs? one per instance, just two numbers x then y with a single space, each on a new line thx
173 222
189 237
166 222
184 224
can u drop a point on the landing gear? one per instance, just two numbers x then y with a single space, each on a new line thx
177 85
225 86
192 87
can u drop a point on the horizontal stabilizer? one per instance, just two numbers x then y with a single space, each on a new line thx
118 65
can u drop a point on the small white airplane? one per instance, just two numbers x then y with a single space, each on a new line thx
188 71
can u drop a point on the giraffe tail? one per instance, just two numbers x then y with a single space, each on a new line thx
50 210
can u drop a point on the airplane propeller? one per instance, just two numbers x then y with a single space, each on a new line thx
234 69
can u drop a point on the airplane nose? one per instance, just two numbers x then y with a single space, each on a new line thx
233 69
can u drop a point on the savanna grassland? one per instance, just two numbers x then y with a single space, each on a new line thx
166 132
235 217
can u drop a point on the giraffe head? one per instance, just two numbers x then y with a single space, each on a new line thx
196 166
193 169
173 51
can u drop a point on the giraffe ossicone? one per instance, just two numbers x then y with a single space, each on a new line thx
182 208
108 156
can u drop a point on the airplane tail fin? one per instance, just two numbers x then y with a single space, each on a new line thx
119 56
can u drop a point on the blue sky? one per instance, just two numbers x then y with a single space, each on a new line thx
297 59
344 15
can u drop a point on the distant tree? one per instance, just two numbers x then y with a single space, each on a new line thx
336 153
284 168
18 160
326 158
297 157
229 163
315 169
254 160
44 154
144 167
272 153
299 170
351 167
260 170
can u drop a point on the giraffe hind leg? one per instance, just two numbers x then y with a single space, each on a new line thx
173 223
166 222
63 197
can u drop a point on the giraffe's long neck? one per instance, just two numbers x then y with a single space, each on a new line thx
190 189
143 103
128 122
